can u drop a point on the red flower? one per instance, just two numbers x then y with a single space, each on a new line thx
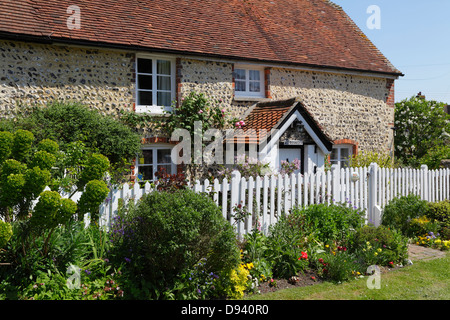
304 256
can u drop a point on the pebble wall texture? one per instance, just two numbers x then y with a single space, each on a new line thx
348 106
36 74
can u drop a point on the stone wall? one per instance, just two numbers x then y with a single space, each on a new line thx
348 106
35 74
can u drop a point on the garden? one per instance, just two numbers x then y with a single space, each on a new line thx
173 244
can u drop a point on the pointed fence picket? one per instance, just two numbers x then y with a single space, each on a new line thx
266 199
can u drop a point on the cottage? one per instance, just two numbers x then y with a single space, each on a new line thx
299 66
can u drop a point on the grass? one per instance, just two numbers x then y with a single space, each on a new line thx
424 280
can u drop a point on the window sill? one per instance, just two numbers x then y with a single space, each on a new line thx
153 111
257 99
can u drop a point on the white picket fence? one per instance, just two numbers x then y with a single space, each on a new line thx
267 198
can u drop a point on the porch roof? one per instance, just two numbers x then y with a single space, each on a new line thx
264 117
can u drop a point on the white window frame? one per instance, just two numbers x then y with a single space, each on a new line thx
155 164
154 108
247 93
339 160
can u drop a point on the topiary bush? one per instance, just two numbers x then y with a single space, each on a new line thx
400 211
166 234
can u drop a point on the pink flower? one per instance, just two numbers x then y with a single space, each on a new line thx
201 111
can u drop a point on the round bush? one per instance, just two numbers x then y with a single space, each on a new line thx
165 234
52 210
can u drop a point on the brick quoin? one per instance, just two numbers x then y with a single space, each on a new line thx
348 141
267 92
178 77
390 99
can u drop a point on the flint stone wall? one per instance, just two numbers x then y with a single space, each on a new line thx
347 106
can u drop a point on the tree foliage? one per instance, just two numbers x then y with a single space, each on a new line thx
68 123
422 132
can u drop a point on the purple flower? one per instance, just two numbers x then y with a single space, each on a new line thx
127 259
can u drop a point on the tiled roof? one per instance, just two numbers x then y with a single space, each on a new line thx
301 32
263 117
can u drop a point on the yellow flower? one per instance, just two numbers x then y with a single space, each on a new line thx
379 250
326 246
376 253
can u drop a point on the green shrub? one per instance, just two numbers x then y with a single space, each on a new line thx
378 245
327 223
284 248
169 233
70 122
52 210
399 212
336 266
93 196
22 144
5 233
6 141
440 212
365 158
423 225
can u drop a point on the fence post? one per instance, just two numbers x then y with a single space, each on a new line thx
336 182
425 178
372 193
235 182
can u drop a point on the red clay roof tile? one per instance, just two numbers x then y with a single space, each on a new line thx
303 32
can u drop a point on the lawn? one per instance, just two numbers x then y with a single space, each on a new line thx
424 280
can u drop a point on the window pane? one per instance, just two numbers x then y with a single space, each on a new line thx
164 83
164 99
239 74
163 67
145 98
145 82
240 85
344 164
144 66
164 156
254 75
334 155
344 153
167 168
145 173
147 157
255 86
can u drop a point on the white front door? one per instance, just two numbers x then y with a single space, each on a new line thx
289 154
